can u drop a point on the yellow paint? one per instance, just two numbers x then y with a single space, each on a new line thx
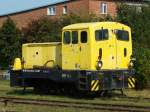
17 64
41 55
131 82
92 82
97 88
129 85
94 85
85 56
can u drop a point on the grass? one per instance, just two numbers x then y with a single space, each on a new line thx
31 108
6 90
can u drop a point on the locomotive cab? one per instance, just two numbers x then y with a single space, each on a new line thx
96 46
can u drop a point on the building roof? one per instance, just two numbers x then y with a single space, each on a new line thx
8 7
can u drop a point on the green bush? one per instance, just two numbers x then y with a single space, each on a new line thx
138 20
9 43
42 30
142 67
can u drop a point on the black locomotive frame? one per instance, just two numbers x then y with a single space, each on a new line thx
82 80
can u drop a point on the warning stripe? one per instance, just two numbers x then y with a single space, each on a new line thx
94 85
131 82
93 82
97 87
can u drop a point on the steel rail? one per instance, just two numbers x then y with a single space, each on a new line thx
7 111
82 105
134 98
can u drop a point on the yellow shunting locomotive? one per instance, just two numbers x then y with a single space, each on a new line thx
92 57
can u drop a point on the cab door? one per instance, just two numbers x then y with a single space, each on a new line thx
124 48
75 49
105 48
84 49
70 50
67 63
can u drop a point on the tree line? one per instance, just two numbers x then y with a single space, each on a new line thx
49 30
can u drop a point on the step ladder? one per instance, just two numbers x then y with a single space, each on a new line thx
83 82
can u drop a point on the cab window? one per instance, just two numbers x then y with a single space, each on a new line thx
66 39
101 34
83 37
122 35
74 37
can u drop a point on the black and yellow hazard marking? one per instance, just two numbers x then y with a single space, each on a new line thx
131 82
95 85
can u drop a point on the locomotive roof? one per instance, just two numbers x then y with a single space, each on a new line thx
92 24
46 43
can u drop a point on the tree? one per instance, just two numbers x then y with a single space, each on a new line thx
9 43
42 30
138 20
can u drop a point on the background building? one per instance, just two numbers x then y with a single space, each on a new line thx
58 8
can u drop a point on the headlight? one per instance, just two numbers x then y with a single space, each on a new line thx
131 64
132 60
99 65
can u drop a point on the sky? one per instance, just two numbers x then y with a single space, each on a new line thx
11 6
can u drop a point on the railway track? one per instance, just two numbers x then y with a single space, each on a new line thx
7 111
135 98
127 98
80 105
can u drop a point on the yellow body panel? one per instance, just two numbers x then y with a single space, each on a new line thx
17 64
85 56
41 55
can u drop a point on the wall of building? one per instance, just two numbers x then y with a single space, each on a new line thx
80 7
95 7
2 19
22 19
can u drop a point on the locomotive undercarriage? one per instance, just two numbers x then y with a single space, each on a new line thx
73 82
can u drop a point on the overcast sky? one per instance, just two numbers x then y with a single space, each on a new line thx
10 6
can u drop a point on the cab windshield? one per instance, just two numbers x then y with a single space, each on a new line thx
122 35
101 34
